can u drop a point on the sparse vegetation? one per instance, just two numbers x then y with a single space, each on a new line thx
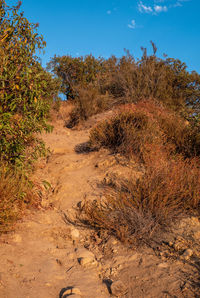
163 143
135 126
156 123
137 211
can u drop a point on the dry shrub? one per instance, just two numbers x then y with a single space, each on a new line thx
61 110
16 193
182 134
130 80
170 185
138 211
137 125
89 102
128 132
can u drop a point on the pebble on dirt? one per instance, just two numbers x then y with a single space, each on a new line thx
187 254
75 292
118 288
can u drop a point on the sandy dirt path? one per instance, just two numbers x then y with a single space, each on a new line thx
39 259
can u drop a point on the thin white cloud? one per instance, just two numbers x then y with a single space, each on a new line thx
159 1
159 8
132 25
177 4
144 8
113 10
170 1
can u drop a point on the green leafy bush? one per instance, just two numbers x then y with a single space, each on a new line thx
76 72
26 95
26 89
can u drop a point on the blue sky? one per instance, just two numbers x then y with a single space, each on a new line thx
106 27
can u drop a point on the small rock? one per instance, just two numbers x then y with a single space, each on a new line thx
17 238
75 234
179 244
67 292
48 284
86 257
108 180
67 133
83 252
187 254
75 292
118 288
163 265
87 261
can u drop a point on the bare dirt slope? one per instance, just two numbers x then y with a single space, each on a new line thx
46 257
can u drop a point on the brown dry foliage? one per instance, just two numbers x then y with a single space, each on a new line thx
137 125
89 102
138 211
17 193
134 211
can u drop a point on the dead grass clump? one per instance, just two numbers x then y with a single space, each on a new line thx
128 132
170 185
182 134
137 211
136 125
16 193
88 102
